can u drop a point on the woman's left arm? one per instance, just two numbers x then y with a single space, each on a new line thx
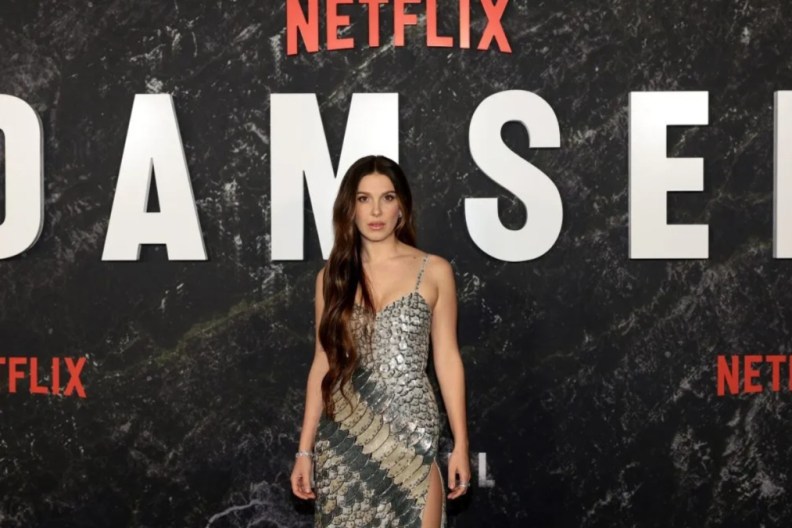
450 372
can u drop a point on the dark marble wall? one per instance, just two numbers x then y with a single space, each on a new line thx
591 378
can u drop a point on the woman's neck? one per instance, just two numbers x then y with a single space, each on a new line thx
374 252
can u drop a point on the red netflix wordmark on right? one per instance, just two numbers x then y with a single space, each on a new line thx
733 368
17 372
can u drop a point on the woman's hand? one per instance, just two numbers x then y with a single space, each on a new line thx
301 478
458 466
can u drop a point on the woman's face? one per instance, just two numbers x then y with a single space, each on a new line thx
376 206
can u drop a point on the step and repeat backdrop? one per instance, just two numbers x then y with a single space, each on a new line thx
611 182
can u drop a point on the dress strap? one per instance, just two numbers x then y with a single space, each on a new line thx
420 273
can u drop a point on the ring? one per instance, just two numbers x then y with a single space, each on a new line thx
464 484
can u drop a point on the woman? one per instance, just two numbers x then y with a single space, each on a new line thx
370 412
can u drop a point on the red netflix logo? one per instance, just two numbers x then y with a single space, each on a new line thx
20 368
729 368
305 25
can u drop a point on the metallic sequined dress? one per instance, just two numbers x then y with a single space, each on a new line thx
373 459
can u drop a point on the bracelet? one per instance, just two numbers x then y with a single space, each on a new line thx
304 453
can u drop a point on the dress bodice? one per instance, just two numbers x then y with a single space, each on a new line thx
399 335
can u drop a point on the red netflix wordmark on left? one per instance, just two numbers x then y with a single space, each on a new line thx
729 367
20 368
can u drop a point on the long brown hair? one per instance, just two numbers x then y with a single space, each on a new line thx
344 271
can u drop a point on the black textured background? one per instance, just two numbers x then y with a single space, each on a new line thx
591 378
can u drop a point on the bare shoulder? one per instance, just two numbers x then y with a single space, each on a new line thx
439 276
437 264
439 271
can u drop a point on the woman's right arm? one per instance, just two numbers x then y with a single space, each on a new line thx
301 474
313 390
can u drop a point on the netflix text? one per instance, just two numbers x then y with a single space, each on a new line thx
23 375
776 375
303 25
